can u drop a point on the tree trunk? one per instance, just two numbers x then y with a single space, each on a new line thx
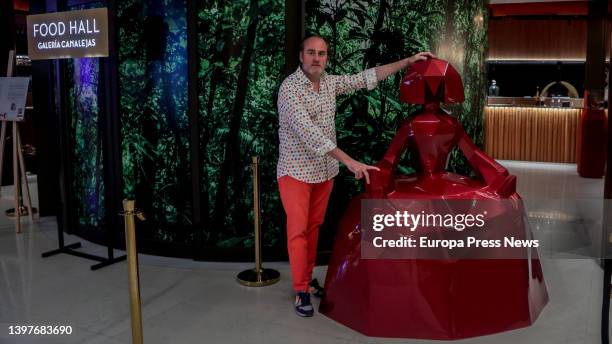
210 123
232 148
181 186
370 57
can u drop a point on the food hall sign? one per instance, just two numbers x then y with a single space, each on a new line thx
68 34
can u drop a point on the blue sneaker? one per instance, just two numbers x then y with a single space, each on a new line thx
303 307
316 289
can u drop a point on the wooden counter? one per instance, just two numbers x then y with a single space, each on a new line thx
531 133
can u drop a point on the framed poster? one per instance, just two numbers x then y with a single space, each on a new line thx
13 93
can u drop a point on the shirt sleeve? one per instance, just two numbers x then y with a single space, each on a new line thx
347 83
291 109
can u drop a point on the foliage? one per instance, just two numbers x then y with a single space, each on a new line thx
241 65
364 34
223 42
154 122
85 140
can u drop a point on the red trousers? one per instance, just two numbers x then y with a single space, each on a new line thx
305 205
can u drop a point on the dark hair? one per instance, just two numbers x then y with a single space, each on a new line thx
313 35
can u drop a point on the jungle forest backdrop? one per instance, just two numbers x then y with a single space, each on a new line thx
241 63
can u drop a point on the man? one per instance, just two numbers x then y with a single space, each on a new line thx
308 155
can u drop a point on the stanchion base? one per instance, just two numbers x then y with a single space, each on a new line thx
23 211
254 278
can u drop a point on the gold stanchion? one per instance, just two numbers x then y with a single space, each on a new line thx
259 276
132 259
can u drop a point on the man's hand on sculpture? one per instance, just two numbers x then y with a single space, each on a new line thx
382 72
424 55
360 169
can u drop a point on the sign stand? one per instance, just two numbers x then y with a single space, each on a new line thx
18 161
82 33
63 248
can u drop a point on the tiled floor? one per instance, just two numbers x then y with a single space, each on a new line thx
194 302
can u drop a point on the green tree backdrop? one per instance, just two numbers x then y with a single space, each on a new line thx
241 65
85 140
154 123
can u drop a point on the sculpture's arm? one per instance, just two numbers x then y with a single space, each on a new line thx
380 180
495 175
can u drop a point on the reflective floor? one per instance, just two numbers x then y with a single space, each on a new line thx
194 302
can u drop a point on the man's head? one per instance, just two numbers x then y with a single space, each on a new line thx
313 56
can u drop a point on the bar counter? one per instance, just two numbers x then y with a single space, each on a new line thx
532 133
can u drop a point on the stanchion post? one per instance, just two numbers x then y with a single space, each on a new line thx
129 212
257 277
256 213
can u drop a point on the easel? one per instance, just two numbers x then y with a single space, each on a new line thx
18 162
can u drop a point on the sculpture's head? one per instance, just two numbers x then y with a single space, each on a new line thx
431 81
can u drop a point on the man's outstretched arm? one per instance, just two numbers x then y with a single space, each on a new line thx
382 72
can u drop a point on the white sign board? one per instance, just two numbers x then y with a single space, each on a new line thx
13 93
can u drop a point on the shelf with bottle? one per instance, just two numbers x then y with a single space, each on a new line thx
539 101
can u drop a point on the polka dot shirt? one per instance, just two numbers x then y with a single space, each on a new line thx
307 128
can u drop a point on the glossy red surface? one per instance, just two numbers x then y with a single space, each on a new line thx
431 82
591 145
432 299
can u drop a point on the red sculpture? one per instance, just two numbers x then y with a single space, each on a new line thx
592 137
427 298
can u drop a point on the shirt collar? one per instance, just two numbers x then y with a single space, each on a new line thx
303 79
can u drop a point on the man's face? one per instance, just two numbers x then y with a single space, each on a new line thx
314 57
